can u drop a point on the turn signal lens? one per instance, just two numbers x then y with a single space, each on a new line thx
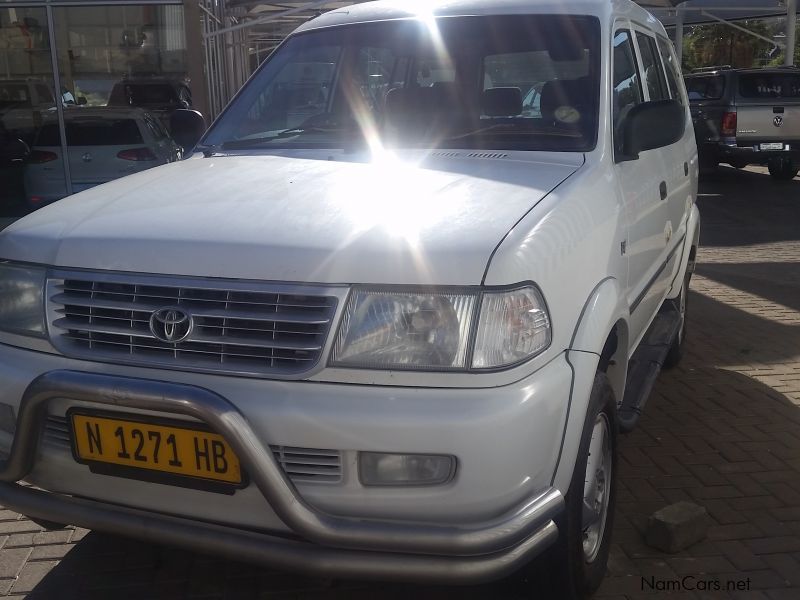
513 326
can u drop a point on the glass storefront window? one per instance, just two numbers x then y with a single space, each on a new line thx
122 71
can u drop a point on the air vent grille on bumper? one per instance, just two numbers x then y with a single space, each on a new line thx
300 464
245 328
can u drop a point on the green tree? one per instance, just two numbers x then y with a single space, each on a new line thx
719 44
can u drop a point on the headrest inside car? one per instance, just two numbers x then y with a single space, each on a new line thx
502 102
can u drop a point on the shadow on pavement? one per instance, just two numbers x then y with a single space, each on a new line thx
734 337
743 207
724 441
778 282
102 567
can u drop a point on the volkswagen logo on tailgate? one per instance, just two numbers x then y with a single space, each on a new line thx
778 121
171 325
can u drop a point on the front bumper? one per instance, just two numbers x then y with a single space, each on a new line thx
334 545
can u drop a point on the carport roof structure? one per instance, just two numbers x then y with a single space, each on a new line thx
278 19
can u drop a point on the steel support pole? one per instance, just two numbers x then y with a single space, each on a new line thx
679 16
791 30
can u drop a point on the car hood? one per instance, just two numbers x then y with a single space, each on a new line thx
406 220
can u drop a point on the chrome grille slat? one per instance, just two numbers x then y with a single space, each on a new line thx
303 464
253 329
300 464
144 307
161 300
167 347
95 327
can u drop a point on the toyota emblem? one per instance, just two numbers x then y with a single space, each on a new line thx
171 325
778 121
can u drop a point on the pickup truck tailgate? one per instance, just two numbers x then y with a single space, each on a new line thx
768 108
774 122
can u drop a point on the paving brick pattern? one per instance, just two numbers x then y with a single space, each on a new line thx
721 430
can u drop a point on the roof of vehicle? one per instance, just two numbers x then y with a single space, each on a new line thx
103 112
23 80
792 70
747 70
401 9
151 79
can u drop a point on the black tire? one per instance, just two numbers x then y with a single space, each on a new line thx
782 170
570 573
738 164
681 305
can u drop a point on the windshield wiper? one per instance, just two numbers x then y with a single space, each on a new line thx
287 133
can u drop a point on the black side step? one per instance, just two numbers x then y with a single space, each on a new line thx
645 365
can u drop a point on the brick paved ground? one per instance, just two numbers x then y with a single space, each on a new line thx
722 430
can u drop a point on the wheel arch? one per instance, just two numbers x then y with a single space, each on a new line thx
599 342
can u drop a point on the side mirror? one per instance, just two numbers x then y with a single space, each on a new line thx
81 100
652 125
186 128
15 151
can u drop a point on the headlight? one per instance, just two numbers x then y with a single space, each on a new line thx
434 331
21 299
397 330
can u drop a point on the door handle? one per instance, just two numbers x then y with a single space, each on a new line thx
686 168
663 190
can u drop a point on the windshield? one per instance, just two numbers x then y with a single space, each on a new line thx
506 82
706 87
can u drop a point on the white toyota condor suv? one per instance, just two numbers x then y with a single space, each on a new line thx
388 318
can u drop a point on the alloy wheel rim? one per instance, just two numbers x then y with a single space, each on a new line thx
597 488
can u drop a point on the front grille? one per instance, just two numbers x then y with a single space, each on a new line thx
237 328
300 464
56 431
309 464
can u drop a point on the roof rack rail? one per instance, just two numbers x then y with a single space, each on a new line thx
714 68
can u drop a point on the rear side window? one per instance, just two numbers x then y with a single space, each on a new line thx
95 132
627 90
44 93
672 69
653 72
143 94
769 85
705 87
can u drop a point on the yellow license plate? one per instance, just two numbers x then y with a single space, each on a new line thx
164 448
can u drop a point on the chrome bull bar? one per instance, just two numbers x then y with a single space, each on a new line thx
340 545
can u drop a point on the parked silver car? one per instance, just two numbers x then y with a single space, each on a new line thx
103 144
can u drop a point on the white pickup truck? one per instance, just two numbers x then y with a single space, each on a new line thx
395 340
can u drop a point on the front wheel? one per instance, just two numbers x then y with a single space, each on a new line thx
578 561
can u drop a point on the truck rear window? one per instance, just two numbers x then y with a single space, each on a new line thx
94 132
709 87
769 85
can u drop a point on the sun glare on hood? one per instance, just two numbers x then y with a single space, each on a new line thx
398 197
